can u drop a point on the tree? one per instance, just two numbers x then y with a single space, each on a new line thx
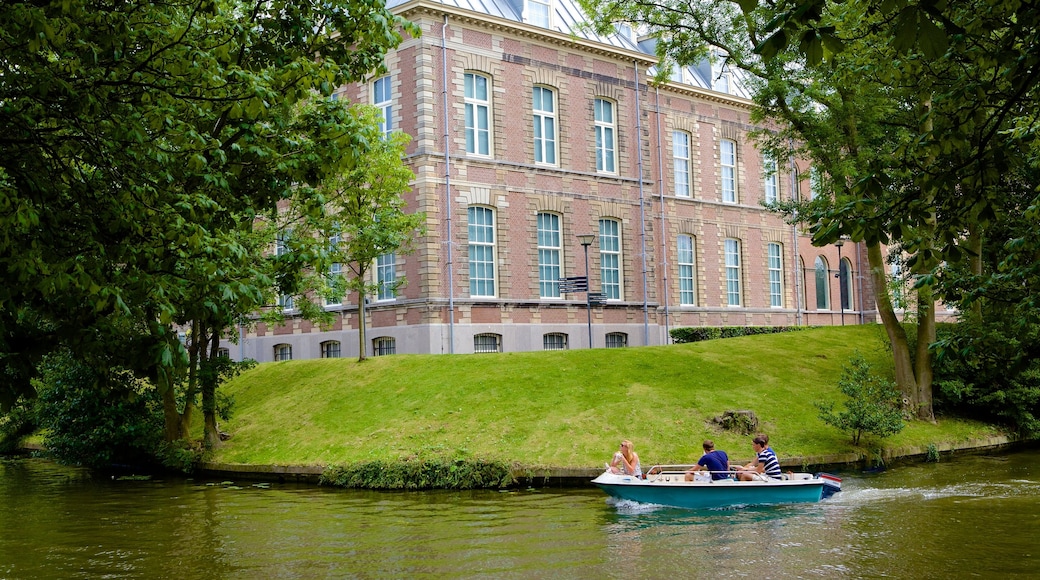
138 139
872 404
910 111
364 215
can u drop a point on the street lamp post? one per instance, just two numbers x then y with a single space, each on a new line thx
586 241
841 282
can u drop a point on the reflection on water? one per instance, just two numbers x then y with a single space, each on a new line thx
976 516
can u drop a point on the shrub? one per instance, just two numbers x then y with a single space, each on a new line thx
16 424
415 473
872 405
696 334
97 419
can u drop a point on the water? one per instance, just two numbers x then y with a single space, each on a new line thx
975 516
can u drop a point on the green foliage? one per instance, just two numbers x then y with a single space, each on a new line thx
97 419
687 334
180 456
559 408
872 404
142 145
420 473
17 423
932 454
989 370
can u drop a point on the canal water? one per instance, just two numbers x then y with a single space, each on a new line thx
974 516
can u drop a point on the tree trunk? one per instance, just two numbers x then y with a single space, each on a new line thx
904 369
193 378
923 355
208 382
361 327
171 416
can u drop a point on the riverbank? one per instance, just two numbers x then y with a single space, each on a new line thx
556 417
560 477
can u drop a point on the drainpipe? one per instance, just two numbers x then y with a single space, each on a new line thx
795 196
642 207
663 236
447 189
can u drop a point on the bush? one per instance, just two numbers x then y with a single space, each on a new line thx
97 419
16 424
873 404
698 333
987 372
435 473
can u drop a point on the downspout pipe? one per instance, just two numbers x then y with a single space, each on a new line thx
663 235
798 274
642 208
447 188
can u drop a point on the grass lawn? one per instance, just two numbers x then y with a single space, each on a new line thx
561 408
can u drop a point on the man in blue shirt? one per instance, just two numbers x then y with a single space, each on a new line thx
715 462
766 465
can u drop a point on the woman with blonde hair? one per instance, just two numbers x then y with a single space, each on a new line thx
626 461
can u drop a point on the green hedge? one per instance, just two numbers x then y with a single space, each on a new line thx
436 473
699 333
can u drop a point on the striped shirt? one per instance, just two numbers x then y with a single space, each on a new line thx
768 458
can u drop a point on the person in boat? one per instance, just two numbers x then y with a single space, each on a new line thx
765 465
626 460
714 461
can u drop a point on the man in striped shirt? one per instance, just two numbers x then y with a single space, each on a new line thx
765 466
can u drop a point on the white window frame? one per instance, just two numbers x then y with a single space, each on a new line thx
487 342
539 13
616 340
477 118
550 251
685 246
775 267
815 183
823 283
610 262
382 98
770 179
331 349
554 341
482 251
728 170
386 277
543 108
605 122
734 289
384 345
282 352
335 270
681 163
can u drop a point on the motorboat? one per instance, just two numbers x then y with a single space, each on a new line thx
666 485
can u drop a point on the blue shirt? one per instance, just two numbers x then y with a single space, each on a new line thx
716 461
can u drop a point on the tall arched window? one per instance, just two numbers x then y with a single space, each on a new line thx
478 114
823 289
687 271
606 140
610 258
733 283
549 251
845 277
728 170
544 110
481 251
681 162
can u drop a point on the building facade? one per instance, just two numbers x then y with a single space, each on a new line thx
530 137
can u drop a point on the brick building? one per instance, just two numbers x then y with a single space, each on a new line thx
527 133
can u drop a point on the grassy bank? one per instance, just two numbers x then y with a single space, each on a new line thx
560 409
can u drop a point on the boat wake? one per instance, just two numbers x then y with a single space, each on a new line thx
979 489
